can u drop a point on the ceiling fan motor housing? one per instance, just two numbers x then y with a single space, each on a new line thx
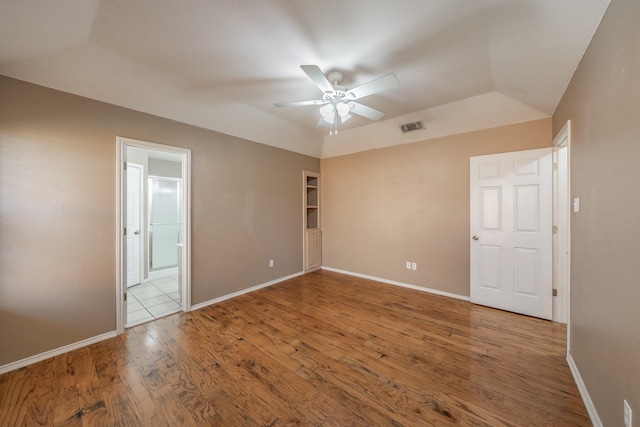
335 77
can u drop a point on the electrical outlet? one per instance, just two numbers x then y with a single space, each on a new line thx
408 265
414 266
271 263
628 422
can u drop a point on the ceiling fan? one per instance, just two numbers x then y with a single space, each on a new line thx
338 101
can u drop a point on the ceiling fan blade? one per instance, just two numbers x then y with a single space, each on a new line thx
364 111
374 86
317 76
299 103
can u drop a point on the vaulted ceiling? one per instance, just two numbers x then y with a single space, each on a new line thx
221 64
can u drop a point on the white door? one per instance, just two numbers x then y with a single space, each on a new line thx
511 231
133 221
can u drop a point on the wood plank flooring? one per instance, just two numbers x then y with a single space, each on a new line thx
319 350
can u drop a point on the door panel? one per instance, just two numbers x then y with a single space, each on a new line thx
491 201
526 210
133 217
491 267
511 225
313 259
526 271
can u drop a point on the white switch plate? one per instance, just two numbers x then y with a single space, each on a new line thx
271 263
576 204
628 422
408 265
414 266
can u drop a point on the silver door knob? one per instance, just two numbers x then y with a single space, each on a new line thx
475 237
136 232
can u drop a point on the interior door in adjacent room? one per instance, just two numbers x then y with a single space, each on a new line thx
133 221
511 231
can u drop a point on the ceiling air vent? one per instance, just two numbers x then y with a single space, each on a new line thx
408 127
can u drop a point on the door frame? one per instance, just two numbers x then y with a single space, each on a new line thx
185 277
562 213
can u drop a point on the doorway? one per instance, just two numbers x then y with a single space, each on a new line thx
160 223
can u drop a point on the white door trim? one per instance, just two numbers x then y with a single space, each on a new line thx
121 143
563 139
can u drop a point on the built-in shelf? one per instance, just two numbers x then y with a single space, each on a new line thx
312 201
311 208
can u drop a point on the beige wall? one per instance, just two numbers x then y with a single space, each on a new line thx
57 213
603 104
383 207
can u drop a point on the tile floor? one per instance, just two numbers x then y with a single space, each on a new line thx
153 299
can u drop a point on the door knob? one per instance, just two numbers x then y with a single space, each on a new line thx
136 232
475 237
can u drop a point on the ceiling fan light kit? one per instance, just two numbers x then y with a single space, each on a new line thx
338 101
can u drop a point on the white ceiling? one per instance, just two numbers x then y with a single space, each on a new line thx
222 64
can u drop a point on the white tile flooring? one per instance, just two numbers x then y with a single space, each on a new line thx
153 299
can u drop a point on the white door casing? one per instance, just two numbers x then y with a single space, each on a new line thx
511 232
121 208
562 219
134 223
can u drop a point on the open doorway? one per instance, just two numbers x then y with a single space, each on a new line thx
153 231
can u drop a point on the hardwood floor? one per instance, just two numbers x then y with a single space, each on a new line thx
319 350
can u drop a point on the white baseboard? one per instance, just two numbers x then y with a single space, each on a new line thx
61 350
588 403
404 285
244 291
55 352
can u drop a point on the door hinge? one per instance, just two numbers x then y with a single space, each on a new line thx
555 293
124 165
555 166
125 296
554 229
125 231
